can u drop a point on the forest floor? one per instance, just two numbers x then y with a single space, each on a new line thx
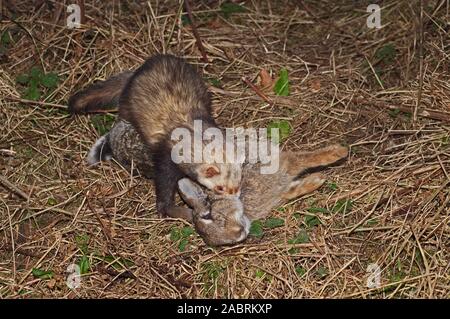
385 92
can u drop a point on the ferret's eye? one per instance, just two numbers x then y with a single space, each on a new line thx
219 189
211 171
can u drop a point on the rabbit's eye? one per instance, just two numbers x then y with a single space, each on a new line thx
206 215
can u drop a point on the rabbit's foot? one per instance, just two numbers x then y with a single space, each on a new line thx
304 186
180 212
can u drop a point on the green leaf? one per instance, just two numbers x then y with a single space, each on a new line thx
50 80
33 82
343 206
213 269
84 265
23 78
182 235
32 93
183 243
185 20
256 229
274 222
82 243
6 38
445 140
259 273
228 8
322 272
282 85
284 129
315 210
300 271
394 113
42 274
36 73
214 82
301 238
175 234
187 231
333 186
51 201
102 123
117 263
386 53
311 221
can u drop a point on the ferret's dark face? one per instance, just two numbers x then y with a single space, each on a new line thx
222 179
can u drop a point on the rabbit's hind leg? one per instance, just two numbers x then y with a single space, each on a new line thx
304 186
296 162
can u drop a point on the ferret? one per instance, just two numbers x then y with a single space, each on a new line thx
163 94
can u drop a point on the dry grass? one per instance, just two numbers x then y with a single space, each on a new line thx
393 110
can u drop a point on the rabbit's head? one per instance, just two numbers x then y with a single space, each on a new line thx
220 220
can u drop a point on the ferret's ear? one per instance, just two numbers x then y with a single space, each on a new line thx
192 193
209 171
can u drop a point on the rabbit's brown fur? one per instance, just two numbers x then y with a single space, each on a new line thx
223 219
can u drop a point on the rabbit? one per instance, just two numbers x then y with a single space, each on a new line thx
224 220
219 220
261 193
124 144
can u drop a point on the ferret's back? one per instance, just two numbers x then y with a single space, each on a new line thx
164 93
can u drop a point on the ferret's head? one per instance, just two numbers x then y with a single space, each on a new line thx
221 178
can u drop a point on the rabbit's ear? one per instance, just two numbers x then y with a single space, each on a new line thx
191 193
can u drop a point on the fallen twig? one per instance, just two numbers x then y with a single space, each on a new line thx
198 40
17 99
257 90
13 188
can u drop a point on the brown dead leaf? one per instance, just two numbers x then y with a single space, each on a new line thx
214 24
229 52
51 283
315 85
266 83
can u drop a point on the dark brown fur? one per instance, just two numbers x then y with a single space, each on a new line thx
100 95
163 94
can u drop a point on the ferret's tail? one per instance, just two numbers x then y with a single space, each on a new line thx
99 96
100 151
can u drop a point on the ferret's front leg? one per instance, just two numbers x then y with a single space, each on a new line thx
166 176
